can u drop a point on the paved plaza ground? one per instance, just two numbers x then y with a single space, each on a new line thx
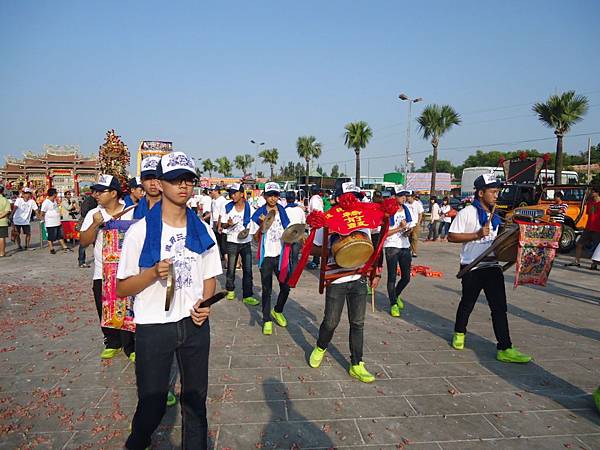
56 393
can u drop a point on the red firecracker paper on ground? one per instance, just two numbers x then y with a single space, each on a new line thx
117 312
537 249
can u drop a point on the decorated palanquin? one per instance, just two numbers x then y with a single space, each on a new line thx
117 312
536 252
352 250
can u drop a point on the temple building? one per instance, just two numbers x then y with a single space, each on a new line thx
60 166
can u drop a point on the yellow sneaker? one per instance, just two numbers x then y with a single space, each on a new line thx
268 328
132 357
279 318
359 372
316 357
230 295
109 353
395 310
458 341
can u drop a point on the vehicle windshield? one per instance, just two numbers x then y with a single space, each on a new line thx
570 195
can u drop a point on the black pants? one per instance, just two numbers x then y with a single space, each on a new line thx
491 280
395 257
269 267
113 338
433 230
221 240
354 294
156 345
245 252
294 256
81 255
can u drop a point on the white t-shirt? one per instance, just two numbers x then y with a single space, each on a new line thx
191 269
216 209
272 237
435 212
205 203
260 201
399 240
192 202
315 203
445 209
23 210
238 225
466 221
319 242
87 222
295 214
51 213
416 209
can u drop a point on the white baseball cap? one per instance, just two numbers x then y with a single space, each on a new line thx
175 164
272 188
106 182
149 166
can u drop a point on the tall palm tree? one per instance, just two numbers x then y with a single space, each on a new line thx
208 166
223 166
561 112
270 157
308 148
243 162
434 122
356 137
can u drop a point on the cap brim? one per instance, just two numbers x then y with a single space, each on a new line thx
272 193
490 186
99 187
148 173
177 173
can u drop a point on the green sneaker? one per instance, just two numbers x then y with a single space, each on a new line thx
268 328
395 310
251 301
132 357
596 397
400 302
512 355
279 318
109 353
359 372
171 399
230 295
458 341
316 357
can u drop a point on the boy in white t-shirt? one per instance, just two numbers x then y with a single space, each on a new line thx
397 252
476 230
51 217
296 215
108 194
21 216
170 234
416 211
235 219
352 290
269 254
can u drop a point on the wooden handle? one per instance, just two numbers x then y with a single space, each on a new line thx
491 215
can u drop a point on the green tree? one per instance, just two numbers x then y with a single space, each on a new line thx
442 165
223 166
243 162
434 122
270 157
208 166
335 171
308 148
320 171
260 174
561 112
356 137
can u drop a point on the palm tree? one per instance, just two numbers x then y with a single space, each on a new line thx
243 162
223 166
434 122
270 157
561 112
357 136
308 148
208 166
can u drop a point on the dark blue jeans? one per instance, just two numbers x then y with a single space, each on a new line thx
245 252
81 255
354 294
269 267
155 346
395 257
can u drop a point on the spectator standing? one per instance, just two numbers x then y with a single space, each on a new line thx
315 204
50 214
445 219
21 216
435 219
591 234
558 209
5 209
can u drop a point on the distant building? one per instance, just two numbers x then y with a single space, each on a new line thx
60 166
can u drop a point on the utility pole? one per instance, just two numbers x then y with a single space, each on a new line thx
405 97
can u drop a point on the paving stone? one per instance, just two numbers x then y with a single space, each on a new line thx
394 388
435 370
552 443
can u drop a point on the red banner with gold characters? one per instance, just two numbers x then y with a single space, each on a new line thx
362 215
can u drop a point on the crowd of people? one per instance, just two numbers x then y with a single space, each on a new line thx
177 237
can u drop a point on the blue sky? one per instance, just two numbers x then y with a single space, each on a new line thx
212 76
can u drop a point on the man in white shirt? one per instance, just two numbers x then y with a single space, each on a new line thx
435 219
216 210
350 290
296 215
51 217
236 218
397 252
476 229
416 212
21 216
108 195
269 254
170 239
205 205
315 204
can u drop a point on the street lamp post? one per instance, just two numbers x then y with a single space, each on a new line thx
410 101
258 145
